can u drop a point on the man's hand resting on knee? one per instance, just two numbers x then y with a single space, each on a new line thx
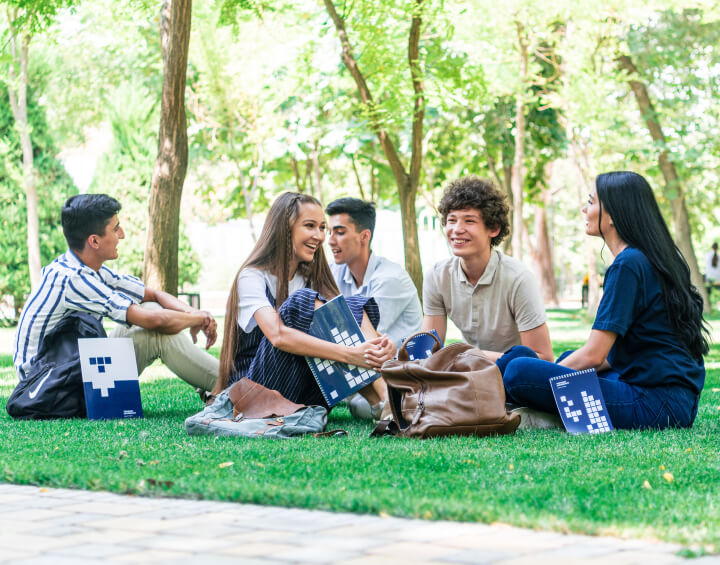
172 317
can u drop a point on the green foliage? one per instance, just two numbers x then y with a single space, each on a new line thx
34 16
124 172
54 187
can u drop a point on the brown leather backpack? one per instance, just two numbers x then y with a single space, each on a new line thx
456 391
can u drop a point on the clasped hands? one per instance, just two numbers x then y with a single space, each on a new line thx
208 327
378 350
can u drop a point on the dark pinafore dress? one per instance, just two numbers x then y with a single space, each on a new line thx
289 374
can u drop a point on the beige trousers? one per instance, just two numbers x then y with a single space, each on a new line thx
188 361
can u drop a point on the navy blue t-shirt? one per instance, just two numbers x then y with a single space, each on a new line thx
646 352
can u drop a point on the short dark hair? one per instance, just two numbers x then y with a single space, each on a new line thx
481 194
86 214
361 213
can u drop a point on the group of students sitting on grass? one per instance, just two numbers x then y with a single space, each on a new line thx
647 342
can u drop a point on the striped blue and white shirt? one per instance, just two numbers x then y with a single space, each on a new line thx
68 285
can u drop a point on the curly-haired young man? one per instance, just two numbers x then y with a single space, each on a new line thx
492 298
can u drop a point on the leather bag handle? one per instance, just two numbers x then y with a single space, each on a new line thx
402 354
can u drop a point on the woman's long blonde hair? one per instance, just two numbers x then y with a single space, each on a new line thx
273 252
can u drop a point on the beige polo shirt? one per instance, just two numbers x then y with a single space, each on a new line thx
504 302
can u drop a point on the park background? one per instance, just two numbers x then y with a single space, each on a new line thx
539 96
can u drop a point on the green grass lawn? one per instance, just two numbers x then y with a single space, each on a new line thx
663 485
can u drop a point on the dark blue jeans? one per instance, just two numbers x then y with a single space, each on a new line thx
526 380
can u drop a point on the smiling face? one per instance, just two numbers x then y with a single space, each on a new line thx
593 222
346 242
106 244
308 232
467 233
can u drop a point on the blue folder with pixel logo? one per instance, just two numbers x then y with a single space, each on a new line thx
110 378
334 322
581 403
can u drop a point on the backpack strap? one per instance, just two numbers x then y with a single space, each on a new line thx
385 428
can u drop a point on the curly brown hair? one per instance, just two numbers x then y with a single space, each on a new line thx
482 195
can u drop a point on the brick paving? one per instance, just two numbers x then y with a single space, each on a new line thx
74 527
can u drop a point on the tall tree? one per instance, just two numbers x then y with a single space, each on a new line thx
673 189
161 249
518 180
26 18
407 181
14 276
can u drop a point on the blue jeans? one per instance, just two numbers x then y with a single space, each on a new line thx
526 380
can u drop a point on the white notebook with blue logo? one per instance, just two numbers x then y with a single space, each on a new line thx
110 378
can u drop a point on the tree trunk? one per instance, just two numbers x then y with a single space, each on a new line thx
317 171
407 183
250 196
544 256
673 187
161 249
518 178
299 186
17 90
357 177
580 158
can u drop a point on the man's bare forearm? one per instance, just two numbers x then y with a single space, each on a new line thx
167 300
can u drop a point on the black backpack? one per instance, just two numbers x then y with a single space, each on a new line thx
53 388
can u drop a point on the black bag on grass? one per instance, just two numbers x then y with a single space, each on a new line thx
53 387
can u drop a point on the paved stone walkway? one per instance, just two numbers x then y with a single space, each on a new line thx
73 527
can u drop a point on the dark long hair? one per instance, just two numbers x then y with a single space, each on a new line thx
273 253
630 201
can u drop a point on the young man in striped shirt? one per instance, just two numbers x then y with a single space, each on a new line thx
78 281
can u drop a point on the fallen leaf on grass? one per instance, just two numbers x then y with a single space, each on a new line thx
226 464
154 462
688 450
511 466
668 477
662 467
646 484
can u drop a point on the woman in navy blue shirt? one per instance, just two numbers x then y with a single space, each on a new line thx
649 337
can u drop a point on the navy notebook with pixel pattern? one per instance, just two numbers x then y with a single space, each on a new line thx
334 322
581 403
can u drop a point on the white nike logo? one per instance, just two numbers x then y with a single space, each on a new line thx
33 393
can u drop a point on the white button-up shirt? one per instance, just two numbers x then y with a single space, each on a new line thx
393 290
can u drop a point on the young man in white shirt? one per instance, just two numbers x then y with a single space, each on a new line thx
360 271
78 281
491 297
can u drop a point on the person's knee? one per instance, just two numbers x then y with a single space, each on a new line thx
510 374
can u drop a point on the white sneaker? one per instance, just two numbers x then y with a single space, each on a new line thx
361 409
531 419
